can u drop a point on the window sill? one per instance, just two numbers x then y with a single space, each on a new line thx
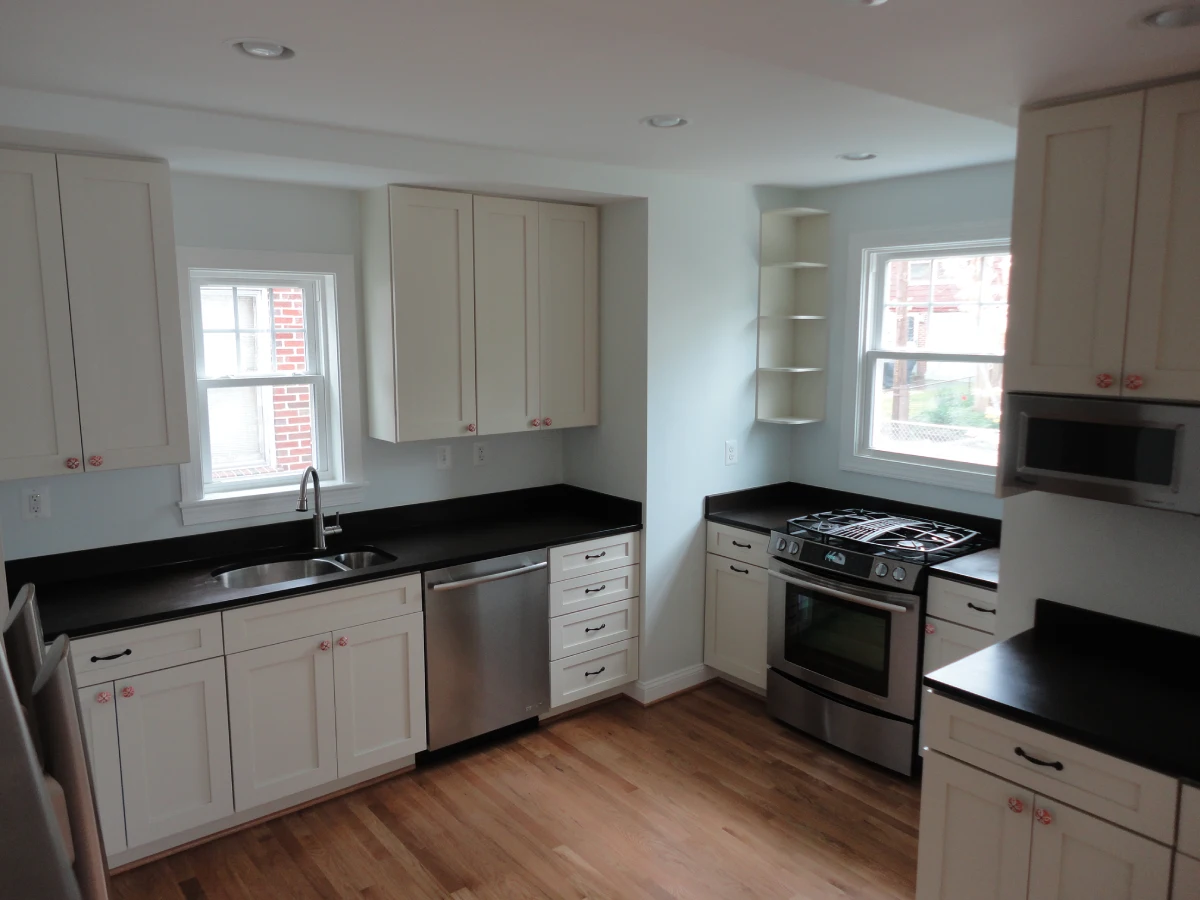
961 479
264 502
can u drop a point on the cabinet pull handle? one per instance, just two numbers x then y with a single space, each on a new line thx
536 423
127 691
743 546
597 628
930 628
114 656
72 462
1015 804
104 697
325 645
343 641
740 571
597 672
980 608
546 421
1038 762
1133 382
596 555
594 590
1104 380
471 428
95 461
1043 816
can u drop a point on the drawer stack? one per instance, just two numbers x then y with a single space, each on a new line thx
594 616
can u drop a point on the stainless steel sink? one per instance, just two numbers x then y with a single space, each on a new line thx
279 570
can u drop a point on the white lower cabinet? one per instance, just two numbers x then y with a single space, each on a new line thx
1186 885
173 730
379 693
281 719
946 643
584 674
735 619
99 712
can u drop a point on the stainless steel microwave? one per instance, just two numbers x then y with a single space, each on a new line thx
1122 451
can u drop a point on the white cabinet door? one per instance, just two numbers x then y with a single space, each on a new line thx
735 619
173 728
379 692
1164 308
1073 217
281 719
38 403
1187 878
568 289
98 707
125 318
506 315
946 642
433 323
975 832
1079 857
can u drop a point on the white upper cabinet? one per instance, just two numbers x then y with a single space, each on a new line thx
507 352
1073 221
120 247
1161 359
37 368
419 301
568 287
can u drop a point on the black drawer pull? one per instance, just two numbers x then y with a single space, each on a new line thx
743 546
590 674
597 628
740 571
1038 762
981 608
594 556
114 656
594 590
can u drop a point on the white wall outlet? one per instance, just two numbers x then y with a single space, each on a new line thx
731 453
480 455
35 502
444 459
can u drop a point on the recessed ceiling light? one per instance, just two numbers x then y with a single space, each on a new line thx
856 157
665 121
1174 17
260 49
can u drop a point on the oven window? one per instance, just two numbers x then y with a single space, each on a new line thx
843 641
1132 453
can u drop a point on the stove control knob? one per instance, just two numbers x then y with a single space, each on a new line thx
899 574
793 547
881 570
781 545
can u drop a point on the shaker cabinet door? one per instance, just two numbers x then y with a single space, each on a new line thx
735 619
98 709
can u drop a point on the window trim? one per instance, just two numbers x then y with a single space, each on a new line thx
866 249
341 444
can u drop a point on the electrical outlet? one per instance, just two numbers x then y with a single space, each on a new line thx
35 503
731 453
480 456
444 459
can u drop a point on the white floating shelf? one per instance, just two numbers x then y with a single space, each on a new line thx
787 421
797 212
798 264
794 318
790 369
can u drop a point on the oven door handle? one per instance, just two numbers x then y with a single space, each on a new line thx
841 595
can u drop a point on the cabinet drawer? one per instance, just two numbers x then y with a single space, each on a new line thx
736 543
146 649
965 604
596 627
1189 821
592 671
600 555
594 590
296 617
1115 790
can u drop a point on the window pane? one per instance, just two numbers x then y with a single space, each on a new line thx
258 432
940 410
267 335
216 306
220 354
255 355
950 304
254 308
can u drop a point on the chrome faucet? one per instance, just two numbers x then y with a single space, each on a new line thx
320 529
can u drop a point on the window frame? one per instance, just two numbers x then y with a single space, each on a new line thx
869 256
331 337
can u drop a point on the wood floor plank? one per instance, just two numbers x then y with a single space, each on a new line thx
702 796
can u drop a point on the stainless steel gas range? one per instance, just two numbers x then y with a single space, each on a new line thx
846 602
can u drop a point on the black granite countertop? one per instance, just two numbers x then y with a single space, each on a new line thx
119 587
982 568
1120 687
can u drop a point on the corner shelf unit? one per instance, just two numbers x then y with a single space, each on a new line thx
793 303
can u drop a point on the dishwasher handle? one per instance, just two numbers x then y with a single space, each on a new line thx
484 579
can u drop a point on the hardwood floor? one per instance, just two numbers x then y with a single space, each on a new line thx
699 796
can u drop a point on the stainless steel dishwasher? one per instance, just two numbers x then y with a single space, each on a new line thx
487 646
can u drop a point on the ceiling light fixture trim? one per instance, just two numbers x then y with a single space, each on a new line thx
665 120
1182 16
260 48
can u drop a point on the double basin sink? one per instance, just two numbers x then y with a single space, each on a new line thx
294 567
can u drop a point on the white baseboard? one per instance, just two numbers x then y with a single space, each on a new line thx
646 692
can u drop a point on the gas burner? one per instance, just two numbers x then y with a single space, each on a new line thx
884 534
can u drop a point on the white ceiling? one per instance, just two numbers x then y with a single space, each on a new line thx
775 89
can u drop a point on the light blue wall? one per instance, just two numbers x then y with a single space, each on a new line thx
980 194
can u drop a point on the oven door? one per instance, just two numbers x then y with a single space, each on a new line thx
851 640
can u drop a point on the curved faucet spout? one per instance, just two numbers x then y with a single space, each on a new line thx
320 529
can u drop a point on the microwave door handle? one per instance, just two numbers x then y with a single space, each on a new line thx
841 595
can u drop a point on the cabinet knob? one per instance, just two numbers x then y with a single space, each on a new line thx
72 462
343 641
930 628
1015 804
95 461
1043 816
104 697
546 421
1104 380
127 691
536 422
325 645
471 428
1133 382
